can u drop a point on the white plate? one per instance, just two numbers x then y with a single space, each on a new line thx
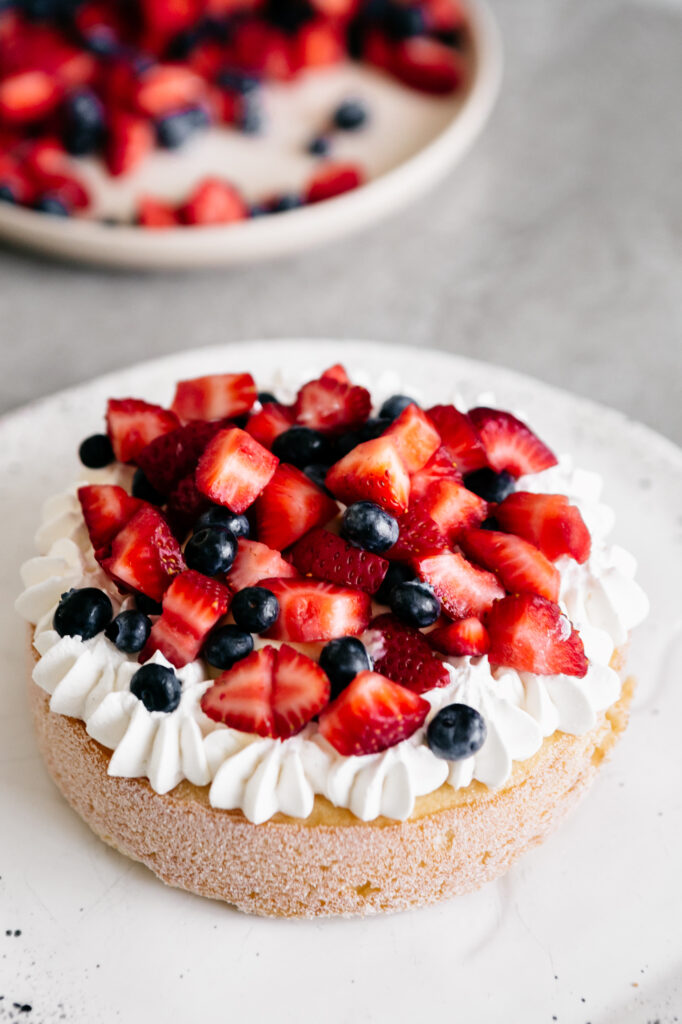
595 914
411 142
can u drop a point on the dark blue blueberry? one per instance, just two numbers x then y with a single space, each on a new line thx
147 605
369 430
250 118
258 210
350 116
96 452
319 146
456 732
300 446
402 21
266 398
454 37
489 485
397 573
415 603
238 81
174 130
255 609
217 515
8 194
288 15
129 631
85 613
227 645
52 204
368 526
157 687
182 45
342 659
394 405
84 122
286 202
211 550
143 489
317 472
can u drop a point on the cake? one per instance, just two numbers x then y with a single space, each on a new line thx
312 655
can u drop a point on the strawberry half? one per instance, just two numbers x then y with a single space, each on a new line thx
145 556
509 444
336 372
428 65
406 656
234 469
415 436
269 422
106 510
370 715
130 140
213 202
547 520
520 566
169 458
329 557
216 397
372 471
314 610
459 438
452 507
132 424
331 406
419 535
461 638
255 562
440 466
333 180
192 606
300 691
531 634
289 506
461 587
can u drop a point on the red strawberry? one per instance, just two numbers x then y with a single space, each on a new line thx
372 471
333 180
130 140
312 610
256 562
192 606
461 638
439 467
547 520
452 507
462 588
106 510
428 65
318 44
242 696
213 202
459 437
406 656
269 422
419 535
164 88
509 444
416 438
154 214
336 372
518 565
185 504
290 505
372 714
170 457
170 16
28 96
328 557
234 469
220 396
145 555
132 424
300 691
531 634
331 406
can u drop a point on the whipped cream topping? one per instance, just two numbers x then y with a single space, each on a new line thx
90 680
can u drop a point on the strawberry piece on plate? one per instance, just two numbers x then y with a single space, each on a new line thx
372 714
155 214
106 510
372 471
452 507
461 638
132 424
191 607
185 504
459 437
234 469
213 202
169 458
404 655
331 406
462 588
419 535
165 88
531 634
268 422
290 505
440 466
509 444
255 562
520 566
336 372
327 556
216 397
415 436
130 140
315 610
547 520
300 691
333 180
145 556
28 96
428 65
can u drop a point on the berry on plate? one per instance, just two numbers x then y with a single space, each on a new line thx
234 469
415 437
211 550
106 510
84 613
462 588
171 457
145 556
132 424
519 566
268 422
372 471
509 444
191 607
226 645
255 562
459 437
414 602
418 535
452 507
489 485
315 610
368 526
547 520
95 451
329 557
371 714
255 609
456 732
330 405
440 466
333 180
216 397
403 654
158 687
129 631
343 659
290 506
531 634
461 638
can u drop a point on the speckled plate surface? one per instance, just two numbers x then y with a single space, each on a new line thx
588 928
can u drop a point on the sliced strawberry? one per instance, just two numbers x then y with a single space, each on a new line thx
461 638
329 557
145 556
406 656
132 424
106 510
318 45
419 535
547 520
234 469
290 505
440 466
170 457
509 444
213 202
333 180
520 566
336 372
255 562
415 436
531 634
28 96
428 65
313 610
220 396
452 507
372 714
300 691
242 697
185 504
459 437
170 16
331 406
372 471
269 422
191 607
130 140
462 588
164 88
154 214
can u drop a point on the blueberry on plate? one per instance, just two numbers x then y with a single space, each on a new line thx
456 732
283 203
394 405
84 122
317 472
157 686
217 515
350 115
255 609
300 446
174 130
368 526
96 452
143 489
227 645
211 550
147 605
342 659
85 613
267 398
415 603
50 203
129 631
397 573
489 485
319 146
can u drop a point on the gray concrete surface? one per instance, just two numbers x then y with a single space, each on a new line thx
555 248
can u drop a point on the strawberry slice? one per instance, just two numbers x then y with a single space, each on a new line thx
219 396
419 535
300 691
372 714
415 436
28 96
406 656
242 697
145 556
333 180
169 458
191 607
520 566
155 214
372 471
165 88
130 140
509 444
547 520
234 469
313 610
213 202
440 466
289 506
132 424
461 638
452 507
459 438
106 510
336 372
531 634
331 406
255 562
269 422
462 588
329 557
428 65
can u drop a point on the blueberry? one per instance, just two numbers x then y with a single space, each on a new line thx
397 573
402 21
367 526
266 398
288 15
157 687
238 81
489 485
174 130
286 202
342 659
96 452
52 204
456 732
211 550
255 609
258 210
218 515
143 489
415 603
250 114
319 146
83 613
369 430
84 123
227 645
8 194
129 631
350 116
300 446
147 605
317 472
394 405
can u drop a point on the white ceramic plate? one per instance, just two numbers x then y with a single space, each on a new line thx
588 928
411 142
